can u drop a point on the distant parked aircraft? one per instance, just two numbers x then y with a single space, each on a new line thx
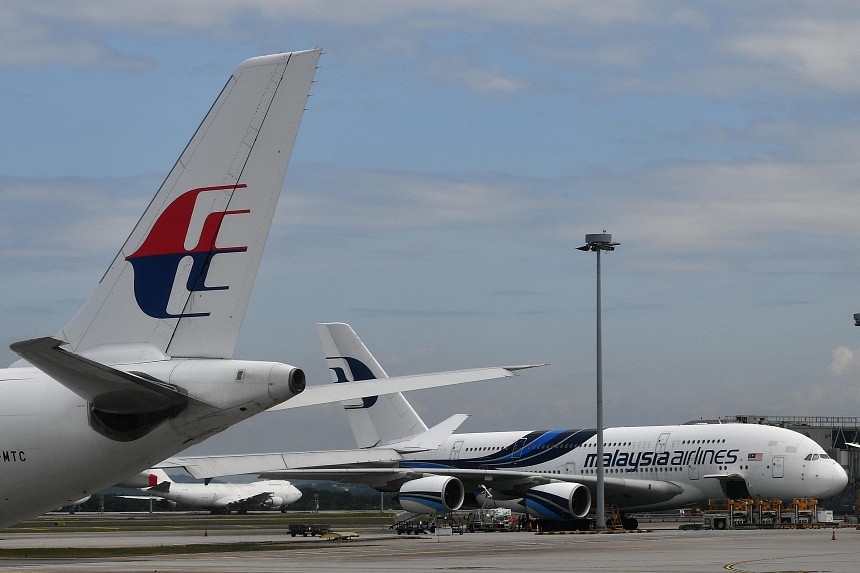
217 497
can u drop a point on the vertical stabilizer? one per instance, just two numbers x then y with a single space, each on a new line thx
181 282
376 420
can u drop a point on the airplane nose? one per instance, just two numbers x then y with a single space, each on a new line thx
837 479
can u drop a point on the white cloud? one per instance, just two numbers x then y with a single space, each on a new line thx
844 359
822 50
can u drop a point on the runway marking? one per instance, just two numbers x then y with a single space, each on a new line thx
734 566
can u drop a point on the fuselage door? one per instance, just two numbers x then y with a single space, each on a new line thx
518 448
693 471
778 466
661 443
455 450
570 468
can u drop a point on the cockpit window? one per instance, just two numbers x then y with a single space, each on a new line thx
808 457
825 457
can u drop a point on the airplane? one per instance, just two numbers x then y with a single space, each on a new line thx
217 497
145 369
546 474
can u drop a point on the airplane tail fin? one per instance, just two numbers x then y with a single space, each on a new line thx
180 284
159 480
376 420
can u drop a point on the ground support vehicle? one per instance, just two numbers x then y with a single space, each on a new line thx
414 526
761 514
491 519
312 529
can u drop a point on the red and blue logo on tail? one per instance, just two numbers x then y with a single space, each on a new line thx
156 261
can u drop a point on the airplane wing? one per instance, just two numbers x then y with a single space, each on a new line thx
202 467
255 499
380 467
116 391
616 490
325 394
109 389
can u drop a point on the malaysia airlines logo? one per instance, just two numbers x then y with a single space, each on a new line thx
156 261
360 372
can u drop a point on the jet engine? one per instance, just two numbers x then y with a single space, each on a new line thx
167 504
433 494
274 501
558 501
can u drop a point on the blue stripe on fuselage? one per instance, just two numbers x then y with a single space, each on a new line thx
533 449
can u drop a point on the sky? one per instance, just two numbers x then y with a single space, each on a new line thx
452 157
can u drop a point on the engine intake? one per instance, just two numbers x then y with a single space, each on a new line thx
433 494
558 501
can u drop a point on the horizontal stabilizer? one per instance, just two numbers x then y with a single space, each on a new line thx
432 438
108 389
163 487
338 392
217 466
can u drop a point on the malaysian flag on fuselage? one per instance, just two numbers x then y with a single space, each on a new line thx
754 457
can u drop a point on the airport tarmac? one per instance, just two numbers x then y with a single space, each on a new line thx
663 548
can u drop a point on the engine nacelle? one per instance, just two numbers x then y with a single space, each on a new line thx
274 501
433 494
166 504
558 501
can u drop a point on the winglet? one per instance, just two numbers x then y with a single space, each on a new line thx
432 438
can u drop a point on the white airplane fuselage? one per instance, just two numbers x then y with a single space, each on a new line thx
223 496
49 444
762 462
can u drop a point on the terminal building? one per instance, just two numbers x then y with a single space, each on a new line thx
839 436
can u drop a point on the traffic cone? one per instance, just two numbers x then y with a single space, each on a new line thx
833 536
205 533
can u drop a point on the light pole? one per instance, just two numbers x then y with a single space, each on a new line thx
599 242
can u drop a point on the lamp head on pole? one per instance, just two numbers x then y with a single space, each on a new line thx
598 242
